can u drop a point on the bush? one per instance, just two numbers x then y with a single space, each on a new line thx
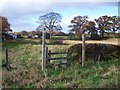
95 52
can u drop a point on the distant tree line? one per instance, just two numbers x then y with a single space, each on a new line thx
80 24
50 22
96 28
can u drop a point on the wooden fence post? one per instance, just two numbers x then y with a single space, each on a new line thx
7 62
49 56
68 57
43 52
6 53
46 51
83 49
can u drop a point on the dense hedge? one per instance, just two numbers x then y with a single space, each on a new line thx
95 52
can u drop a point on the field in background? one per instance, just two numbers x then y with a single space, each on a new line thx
108 41
72 39
25 58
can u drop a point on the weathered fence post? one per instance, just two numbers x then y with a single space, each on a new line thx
6 53
49 56
46 51
7 62
83 49
68 57
43 52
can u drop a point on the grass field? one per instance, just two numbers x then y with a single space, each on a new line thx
25 59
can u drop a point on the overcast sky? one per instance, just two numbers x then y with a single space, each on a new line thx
23 14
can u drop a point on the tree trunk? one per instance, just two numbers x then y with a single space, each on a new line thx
114 33
102 33
92 35
83 49
50 35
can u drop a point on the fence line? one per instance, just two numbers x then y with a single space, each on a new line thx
49 54
46 54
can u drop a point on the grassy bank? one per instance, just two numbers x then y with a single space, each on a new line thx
25 59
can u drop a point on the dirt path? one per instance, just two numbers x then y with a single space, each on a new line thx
111 41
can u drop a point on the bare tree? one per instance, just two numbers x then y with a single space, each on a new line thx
50 22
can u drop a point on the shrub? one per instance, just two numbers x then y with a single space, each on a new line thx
95 52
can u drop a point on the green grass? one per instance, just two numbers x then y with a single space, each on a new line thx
25 58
